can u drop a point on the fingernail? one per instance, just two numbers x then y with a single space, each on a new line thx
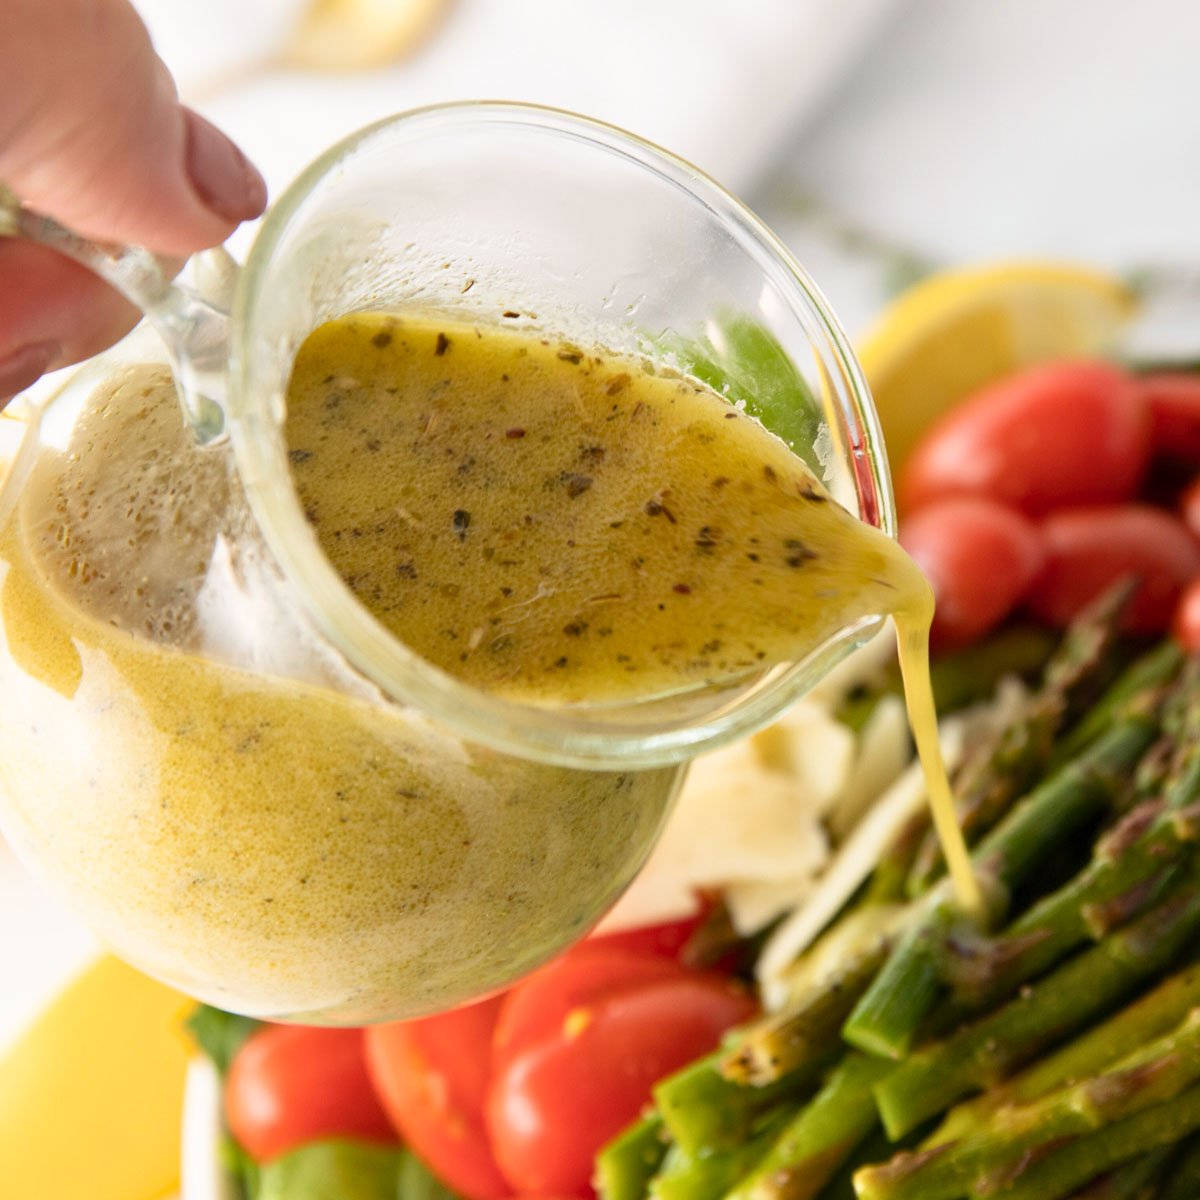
221 173
25 366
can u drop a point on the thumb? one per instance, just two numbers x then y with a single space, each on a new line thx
92 132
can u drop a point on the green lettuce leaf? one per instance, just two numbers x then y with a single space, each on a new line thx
743 361
334 1170
220 1034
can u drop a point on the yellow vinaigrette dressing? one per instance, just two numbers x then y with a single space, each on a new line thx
552 524
561 525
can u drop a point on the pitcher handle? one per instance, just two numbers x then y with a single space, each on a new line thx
194 327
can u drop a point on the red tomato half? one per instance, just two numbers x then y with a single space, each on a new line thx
557 1098
1052 437
1174 403
1088 549
980 559
585 975
432 1076
290 1085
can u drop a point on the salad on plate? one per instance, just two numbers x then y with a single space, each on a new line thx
789 1005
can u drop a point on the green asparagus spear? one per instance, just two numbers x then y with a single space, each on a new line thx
1137 1179
704 1112
887 1019
984 1052
1147 1018
708 1176
1183 1172
1153 668
875 1148
818 1140
624 1167
1089 1158
1155 1073
802 1033
1131 867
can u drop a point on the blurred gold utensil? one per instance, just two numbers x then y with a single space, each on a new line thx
350 35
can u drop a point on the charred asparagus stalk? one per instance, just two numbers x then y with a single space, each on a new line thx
802 1033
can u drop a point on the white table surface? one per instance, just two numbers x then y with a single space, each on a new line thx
965 130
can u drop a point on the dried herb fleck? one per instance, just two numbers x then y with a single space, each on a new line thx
576 484
462 522
656 508
382 340
798 553
299 456
442 345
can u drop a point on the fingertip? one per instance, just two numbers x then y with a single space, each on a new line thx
225 181
48 303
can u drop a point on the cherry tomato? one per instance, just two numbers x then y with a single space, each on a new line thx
1186 623
1088 549
1052 437
1189 507
666 940
1174 404
584 975
432 1076
290 1085
980 558
557 1098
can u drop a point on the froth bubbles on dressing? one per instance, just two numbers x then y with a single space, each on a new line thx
560 525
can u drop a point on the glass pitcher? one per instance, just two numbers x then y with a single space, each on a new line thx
239 778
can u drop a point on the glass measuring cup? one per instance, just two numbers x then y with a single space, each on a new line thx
469 210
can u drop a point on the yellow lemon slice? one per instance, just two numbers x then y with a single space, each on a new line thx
960 330
91 1096
350 35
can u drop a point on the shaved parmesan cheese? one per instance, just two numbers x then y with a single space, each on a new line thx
884 749
749 814
754 904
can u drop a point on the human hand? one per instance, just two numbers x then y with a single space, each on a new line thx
93 134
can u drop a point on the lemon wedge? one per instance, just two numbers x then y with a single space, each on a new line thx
91 1096
960 330
350 35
